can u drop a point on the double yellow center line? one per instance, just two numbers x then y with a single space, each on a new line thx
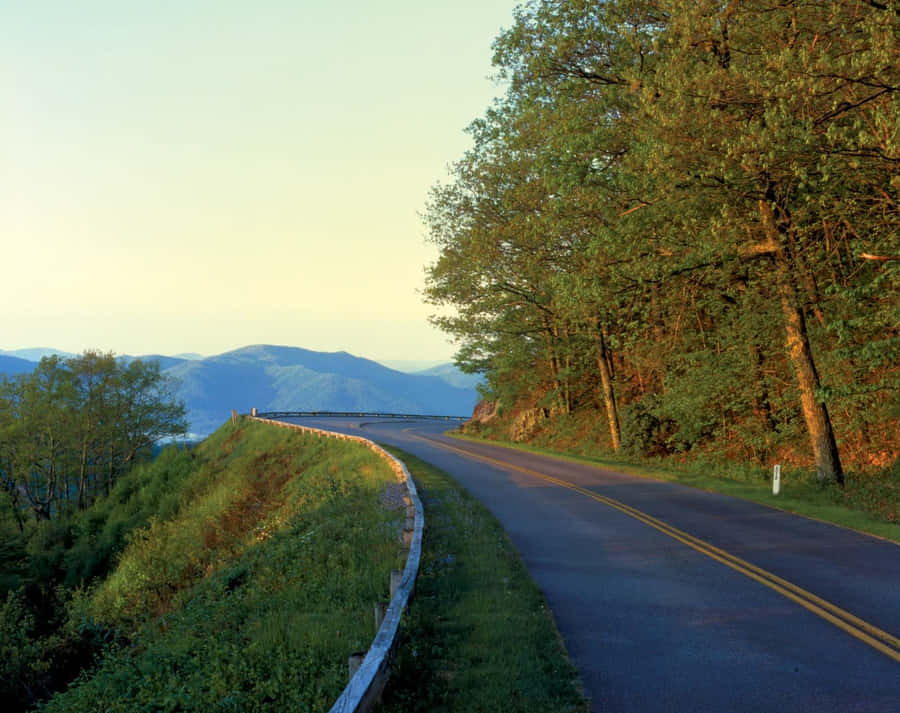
878 639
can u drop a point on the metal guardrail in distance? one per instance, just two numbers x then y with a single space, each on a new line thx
367 682
354 414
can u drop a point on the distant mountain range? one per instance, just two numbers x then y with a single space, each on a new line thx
452 375
14 365
274 378
35 353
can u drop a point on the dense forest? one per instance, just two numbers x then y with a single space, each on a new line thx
682 222
75 438
72 427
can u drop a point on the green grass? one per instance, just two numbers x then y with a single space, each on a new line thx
800 494
478 635
253 594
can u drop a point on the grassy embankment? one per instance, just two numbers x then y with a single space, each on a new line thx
478 635
251 596
257 577
868 503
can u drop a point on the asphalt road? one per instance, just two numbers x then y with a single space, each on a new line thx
676 600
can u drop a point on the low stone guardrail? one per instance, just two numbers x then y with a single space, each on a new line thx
368 680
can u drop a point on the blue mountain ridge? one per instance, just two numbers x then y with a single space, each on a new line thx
274 378
35 354
11 365
289 378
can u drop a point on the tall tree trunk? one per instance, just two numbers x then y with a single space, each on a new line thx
814 299
762 403
815 412
82 477
110 473
555 367
9 485
609 394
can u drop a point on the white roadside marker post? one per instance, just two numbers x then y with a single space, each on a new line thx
776 480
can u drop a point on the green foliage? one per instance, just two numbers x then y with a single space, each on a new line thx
73 427
37 654
644 431
251 594
56 635
877 493
20 653
155 489
684 217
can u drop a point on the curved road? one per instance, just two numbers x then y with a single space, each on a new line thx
676 600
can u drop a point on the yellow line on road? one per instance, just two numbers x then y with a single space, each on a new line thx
884 642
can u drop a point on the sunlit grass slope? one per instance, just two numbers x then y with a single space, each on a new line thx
249 595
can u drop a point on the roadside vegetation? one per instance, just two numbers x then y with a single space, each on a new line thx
72 427
235 576
868 503
677 237
477 636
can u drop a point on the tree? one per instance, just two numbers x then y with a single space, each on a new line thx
72 427
784 116
665 186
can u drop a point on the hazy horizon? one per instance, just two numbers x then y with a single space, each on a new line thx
199 177
406 365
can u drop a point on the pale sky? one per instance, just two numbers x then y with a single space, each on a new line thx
199 175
